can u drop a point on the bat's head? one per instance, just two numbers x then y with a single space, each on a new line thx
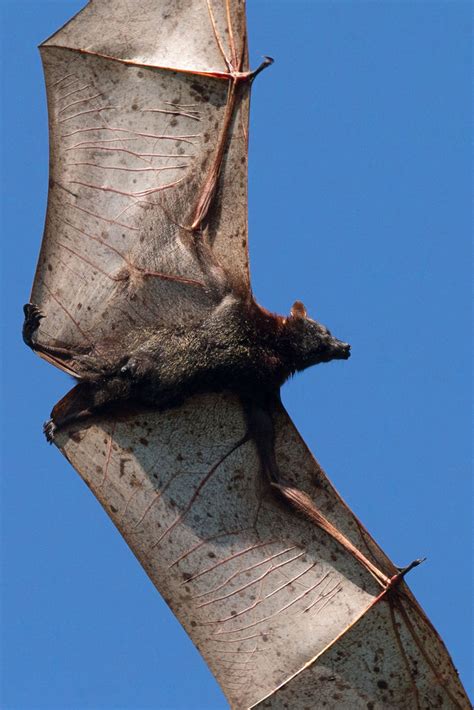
311 342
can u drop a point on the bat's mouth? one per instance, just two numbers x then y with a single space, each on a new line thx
332 349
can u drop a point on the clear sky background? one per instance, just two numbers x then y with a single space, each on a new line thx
359 206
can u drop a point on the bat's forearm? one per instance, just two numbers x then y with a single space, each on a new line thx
261 429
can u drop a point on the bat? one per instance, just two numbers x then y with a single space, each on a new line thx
142 294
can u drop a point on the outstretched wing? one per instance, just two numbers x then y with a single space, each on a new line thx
282 614
147 208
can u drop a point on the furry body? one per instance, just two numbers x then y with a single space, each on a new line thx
239 347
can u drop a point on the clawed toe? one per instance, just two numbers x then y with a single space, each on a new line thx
33 317
402 571
32 313
49 430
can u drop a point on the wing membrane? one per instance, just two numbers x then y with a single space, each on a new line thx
251 583
190 35
133 150
390 658
276 607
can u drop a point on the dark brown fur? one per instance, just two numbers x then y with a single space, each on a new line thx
239 347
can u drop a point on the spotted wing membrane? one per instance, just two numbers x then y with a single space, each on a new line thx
136 129
282 614
148 175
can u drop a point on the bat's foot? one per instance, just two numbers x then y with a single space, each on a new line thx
49 430
33 317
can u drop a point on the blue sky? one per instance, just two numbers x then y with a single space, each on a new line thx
359 206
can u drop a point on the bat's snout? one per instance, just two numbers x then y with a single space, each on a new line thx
341 351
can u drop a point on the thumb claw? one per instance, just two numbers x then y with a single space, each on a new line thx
49 430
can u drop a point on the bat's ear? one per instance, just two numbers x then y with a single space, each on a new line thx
298 310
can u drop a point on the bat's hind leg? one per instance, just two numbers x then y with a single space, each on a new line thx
77 405
85 400
33 317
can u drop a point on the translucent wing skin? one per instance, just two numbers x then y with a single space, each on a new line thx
282 614
197 36
390 658
147 224
147 207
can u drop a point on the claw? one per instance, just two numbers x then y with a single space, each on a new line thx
402 571
267 61
33 316
49 430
